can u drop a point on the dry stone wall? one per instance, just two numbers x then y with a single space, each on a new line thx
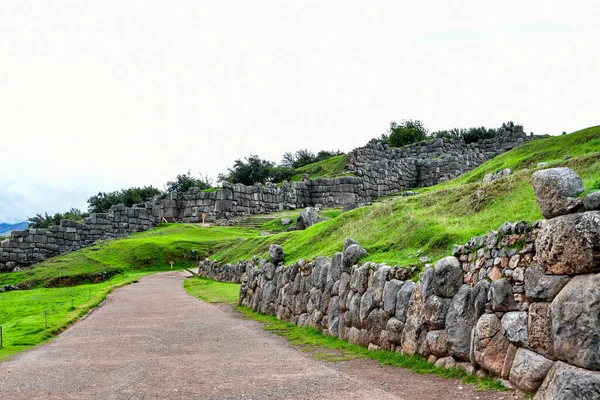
34 245
521 303
379 171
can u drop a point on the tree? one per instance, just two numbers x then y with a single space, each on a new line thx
252 170
183 182
46 221
407 132
134 195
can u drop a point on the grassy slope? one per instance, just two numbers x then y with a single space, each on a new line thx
145 251
22 312
449 213
329 168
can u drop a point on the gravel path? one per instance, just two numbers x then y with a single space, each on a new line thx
151 340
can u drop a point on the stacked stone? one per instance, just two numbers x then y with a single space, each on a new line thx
34 245
222 272
333 192
521 303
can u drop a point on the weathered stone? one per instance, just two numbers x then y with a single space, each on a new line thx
539 330
508 361
529 370
436 340
335 270
352 254
394 328
566 382
307 218
285 221
375 322
495 274
276 255
390 292
554 190
570 244
380 276
433 314
592 201
354 310
542 287
360 279
490 346
501 296
403 300
514 327
412 327
464 311
447 277
576 322
366 305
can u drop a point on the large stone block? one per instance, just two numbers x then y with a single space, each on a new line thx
447 277
566 382
490 345
529 370
554 190
576 322
542 287
570 244
390 292
539 330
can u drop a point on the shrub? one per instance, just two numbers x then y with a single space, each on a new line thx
407 132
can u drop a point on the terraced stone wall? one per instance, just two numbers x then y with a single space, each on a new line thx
34 245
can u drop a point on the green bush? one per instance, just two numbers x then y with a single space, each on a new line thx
408 132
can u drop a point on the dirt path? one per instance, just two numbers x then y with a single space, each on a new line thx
151 340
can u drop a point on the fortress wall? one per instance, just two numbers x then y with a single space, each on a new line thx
505 304
34 245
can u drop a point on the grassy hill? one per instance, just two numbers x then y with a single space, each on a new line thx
392 230
330 168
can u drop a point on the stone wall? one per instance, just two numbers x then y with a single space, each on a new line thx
34 245
521 303
379 171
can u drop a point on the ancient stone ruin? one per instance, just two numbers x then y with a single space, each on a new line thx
379 171
521 303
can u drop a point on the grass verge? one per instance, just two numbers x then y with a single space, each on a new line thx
31 317
212 291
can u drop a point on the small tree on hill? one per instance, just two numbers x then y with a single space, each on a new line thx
183 182
407 132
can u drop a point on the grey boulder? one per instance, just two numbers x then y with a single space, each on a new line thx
554 190
566 382
276 254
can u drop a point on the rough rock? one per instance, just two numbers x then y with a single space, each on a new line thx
307 218
412 327
433 314
576 322
390 292
529 370
464 311
394 329
542 287
514 327
539 330
360 279
501 296
490 347
592 201
566 382
447 277
285 221
403 300
380 277
554 190
570 244
436 340
276 255
352 254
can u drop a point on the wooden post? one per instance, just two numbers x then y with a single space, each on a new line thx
172 262
203 216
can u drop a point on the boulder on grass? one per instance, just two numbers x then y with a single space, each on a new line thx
554 190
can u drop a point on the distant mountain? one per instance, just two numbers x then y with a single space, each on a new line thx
6 229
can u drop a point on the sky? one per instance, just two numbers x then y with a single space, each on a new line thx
99 96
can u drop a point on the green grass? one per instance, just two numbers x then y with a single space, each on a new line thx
443 215
22 311
212 291
330 168
144 251
329 348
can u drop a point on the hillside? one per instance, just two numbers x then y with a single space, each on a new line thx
392 230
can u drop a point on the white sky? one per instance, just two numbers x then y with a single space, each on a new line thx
98 96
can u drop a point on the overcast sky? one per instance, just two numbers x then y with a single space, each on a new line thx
98 96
